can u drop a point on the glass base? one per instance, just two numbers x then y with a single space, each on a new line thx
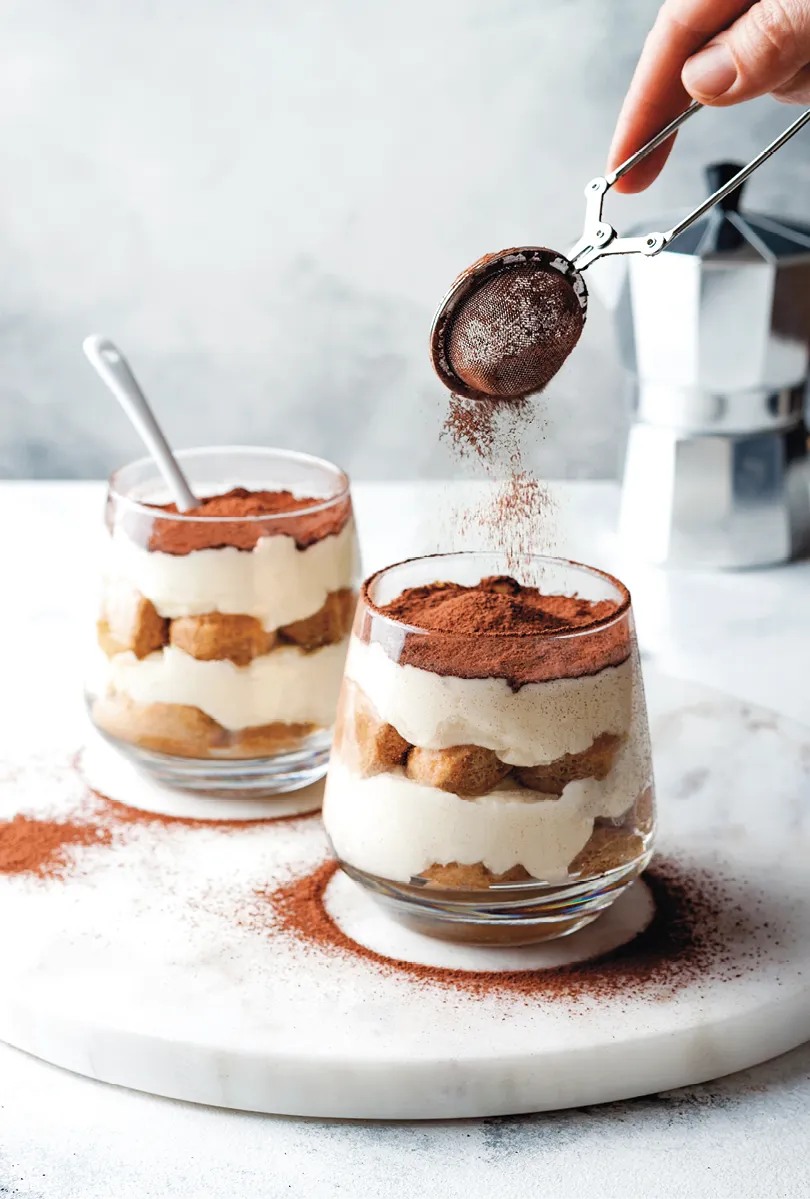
503 914
234 778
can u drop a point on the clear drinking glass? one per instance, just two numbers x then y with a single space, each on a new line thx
494 787
222 638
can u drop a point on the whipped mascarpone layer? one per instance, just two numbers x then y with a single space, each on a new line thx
395 828
275 582
286 685
538 723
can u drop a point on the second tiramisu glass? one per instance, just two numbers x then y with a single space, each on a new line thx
223 631
491 778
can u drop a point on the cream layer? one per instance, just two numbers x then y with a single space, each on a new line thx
538 723
275 582
395 828
285 685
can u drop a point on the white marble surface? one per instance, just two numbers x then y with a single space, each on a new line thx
65 1137
147 968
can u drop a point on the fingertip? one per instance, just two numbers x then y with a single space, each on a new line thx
647 171
636 181
633 183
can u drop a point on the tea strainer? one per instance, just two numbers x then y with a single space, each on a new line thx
511 319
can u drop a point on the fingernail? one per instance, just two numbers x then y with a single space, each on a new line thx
711 72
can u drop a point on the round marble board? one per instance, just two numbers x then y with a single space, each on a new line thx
156 962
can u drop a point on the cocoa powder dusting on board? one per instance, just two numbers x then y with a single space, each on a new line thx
682 944
234 519
119 815
46 848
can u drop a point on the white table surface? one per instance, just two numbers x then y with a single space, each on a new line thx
66 1137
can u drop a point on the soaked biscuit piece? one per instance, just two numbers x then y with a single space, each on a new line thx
367 744
132 624
477 875
607 849
466 770
220 636
326 627
643 811
261 740
184 731
592 763
177 729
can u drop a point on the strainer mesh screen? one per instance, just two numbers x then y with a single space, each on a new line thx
512 335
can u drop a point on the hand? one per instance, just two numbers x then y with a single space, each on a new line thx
718 52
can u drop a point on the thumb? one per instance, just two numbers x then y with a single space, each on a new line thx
764 49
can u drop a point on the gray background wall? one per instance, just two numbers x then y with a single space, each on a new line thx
263 200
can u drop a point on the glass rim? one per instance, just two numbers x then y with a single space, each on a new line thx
156 513
551 559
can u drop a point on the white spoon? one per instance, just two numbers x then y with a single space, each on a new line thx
116 372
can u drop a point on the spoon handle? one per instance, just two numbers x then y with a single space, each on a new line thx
116 372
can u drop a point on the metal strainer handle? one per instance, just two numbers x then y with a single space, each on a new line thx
615 175
599 238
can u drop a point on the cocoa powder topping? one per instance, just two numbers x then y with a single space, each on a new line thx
233 519
497 604
500 629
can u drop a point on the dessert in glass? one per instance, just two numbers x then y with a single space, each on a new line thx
223 631
491 778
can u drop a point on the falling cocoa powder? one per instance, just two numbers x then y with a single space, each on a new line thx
489 430
470 426
682 943
515 514
493 433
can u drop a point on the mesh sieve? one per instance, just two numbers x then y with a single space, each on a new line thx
509 324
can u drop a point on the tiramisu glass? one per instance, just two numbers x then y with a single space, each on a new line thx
223 631
491 779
